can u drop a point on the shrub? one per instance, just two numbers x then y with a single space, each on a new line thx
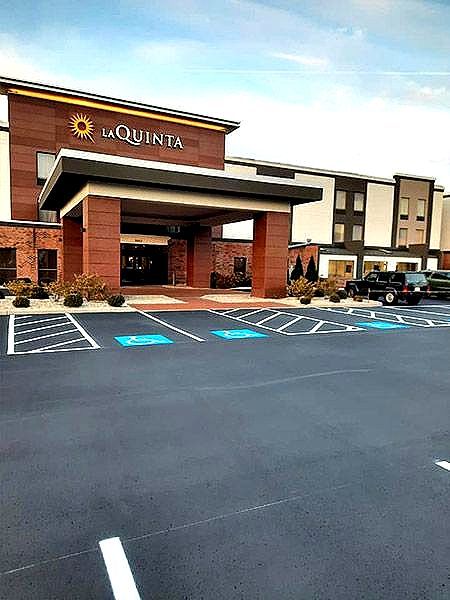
334 298
38 293
300 287
305 300
297 271
115 300
73 299
329 286
91 287
311 271
59 289
21 302
319 292
358 298
20 287
342 294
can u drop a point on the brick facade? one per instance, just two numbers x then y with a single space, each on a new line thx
27 240
178 261
305 253
224 254
270 254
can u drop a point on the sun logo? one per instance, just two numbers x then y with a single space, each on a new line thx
82 127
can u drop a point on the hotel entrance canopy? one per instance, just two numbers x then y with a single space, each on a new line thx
167 191
96 194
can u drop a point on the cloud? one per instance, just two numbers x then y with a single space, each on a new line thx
308 61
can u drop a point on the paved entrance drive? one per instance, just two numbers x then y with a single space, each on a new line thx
276 453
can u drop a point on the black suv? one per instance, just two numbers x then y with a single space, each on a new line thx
390 286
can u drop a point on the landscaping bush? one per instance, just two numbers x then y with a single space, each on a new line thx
342 294
334 298
358 298
115 300
59 289
21 302
91 287
311 270
300 287
329 286
38 293
305 300
20 287
319 292
73 299
297 271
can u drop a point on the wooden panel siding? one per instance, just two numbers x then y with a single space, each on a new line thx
38 125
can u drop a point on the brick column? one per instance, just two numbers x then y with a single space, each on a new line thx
72 248
270 251
199 258
101 239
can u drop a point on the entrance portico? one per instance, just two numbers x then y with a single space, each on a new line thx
105 196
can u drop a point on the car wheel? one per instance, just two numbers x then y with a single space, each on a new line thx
390 298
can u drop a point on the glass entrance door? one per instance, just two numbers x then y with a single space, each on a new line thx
144 264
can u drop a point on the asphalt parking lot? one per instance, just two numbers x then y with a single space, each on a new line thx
248 453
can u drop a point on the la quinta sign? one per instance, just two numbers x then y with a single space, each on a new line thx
82 127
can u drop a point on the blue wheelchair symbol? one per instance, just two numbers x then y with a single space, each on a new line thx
142 340
238 334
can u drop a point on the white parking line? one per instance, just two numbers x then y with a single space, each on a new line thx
403 318
10 349
23 331
407 309
83 332
170 326
120 575
443 463
39 321
317 323
48 335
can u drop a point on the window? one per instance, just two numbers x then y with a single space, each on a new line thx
47 266
358 202
383 277
44 164
404 209
340 200
240 265
49 216
421 206
357 233
339 232
7 264
406 266
402 236
371 265
419 236
372 276
342 269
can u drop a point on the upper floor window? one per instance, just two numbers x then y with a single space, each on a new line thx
402 236
358 202
357 233
404 208
421 207
420 236
44 164
339 230
340 199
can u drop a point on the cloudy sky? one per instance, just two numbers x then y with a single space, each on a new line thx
356 85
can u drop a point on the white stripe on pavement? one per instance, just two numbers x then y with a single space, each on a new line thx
83 332
22 331
48 335
443 463
10 349
169 326
120 575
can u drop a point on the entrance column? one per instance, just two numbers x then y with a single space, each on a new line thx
72 256
101 239
270 251
199 257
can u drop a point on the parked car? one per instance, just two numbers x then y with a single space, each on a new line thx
390 286
439 282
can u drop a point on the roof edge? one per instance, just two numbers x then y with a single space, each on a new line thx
7 83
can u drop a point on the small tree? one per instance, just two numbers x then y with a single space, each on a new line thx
297 271
311 271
